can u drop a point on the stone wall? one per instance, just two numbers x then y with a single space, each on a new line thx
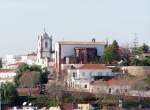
138 70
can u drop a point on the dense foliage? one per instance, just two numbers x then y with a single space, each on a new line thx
34 72
8 93
111 53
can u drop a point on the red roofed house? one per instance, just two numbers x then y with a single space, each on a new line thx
7 75
114 86
82 77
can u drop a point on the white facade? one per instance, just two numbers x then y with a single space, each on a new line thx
29 59
66 48
82 77
88 74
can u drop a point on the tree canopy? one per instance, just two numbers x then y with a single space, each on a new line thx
144 48
8 93
111 53
33 71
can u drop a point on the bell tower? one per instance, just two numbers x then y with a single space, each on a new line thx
44 49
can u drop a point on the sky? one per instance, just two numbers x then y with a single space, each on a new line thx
22 20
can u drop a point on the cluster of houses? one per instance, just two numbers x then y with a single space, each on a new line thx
77 59
65 106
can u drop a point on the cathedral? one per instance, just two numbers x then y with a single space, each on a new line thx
44 50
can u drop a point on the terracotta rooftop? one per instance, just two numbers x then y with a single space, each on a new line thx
114 82
8 79
16 64
6 70
68 106
120 82
80 42
93 66
99 82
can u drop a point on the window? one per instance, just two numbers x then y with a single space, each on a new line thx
46 44
109 91
117 91
85 86
74 74
83 74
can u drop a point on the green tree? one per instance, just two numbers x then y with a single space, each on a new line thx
115 51
136 62
146 62
8 93
29 80
144 48
107 57
43 73
111 53
20 70
0 63
147 80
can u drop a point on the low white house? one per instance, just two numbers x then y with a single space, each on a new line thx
114 86
88 71
80 78
7 75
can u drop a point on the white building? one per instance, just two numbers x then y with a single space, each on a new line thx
64 50
88 71
113 86
10 60
7 75
30 58
81 77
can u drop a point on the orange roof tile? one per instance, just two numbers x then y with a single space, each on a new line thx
7 70
120 82
6 78
93 66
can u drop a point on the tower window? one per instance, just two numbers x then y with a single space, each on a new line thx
46 44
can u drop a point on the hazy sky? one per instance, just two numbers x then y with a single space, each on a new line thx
22 20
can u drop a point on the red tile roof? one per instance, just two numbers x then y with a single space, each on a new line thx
7 70
8 79
120 82
16 64
68 106
93 66
114 82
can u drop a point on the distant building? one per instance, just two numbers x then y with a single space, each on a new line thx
88 71
30 58
85 107
113 86
77 52
7 75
